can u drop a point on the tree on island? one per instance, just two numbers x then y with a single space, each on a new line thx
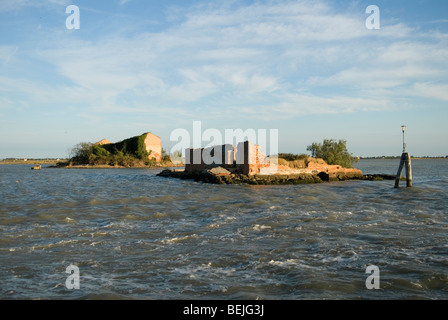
333 152
81 153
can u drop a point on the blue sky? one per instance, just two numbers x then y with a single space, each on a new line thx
310 69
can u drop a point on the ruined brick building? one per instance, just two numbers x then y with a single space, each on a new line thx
247 158
151 143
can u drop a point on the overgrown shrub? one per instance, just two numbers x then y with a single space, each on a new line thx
333 152
81 153
134 147
295 161
292 157
120 154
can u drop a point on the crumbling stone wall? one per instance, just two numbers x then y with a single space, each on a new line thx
207 158
248 158
193 160
153 145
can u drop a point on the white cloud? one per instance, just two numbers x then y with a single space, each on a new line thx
7 53
379 77
274 58
14 5
293 105
431 90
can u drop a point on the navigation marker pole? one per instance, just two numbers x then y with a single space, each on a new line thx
404 162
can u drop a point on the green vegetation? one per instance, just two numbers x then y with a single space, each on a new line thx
295 161
80 153
333 152
90 154
127 153
133 147
292 157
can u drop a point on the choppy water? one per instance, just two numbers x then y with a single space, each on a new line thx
134 235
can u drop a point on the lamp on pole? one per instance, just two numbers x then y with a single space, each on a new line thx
403 128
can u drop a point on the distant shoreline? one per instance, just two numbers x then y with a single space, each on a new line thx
399 157
31 162
62 164
54 162
87 167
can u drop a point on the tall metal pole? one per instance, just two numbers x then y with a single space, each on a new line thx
403 128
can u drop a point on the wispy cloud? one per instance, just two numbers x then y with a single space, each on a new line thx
14 5
7 53
431 90
272 56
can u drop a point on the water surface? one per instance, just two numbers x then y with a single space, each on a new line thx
135 235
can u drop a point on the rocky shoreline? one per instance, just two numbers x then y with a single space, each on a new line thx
222 176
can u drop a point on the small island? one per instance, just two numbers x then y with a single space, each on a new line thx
246 164
224 164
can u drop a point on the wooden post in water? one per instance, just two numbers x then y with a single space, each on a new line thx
406 163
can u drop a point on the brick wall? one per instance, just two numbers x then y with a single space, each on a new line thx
103 142
207 158
248 158
153 144
193 160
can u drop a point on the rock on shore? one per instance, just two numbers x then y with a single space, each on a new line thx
222 176
311 171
